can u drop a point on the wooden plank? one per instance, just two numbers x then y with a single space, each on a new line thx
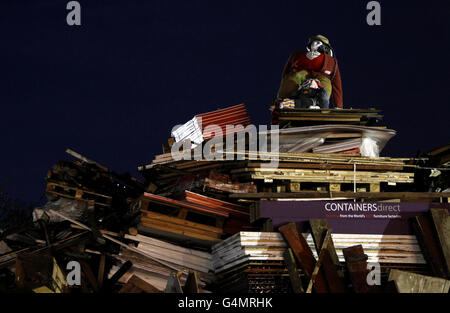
303 254
319 228
182 222
177 227
330 260
330 166
441 221
356 262
78 194
101 270
143 285
334 177
407 282
107 286
168 246
423 229
294 276
353 195
176 233
322 253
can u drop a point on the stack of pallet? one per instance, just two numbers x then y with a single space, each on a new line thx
238 218
251 262
183 221
304 117
297 171
86 183
158 259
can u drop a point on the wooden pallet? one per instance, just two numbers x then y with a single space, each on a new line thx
333 187
178 228
328 176
78 194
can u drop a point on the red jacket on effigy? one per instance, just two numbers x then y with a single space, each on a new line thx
329 68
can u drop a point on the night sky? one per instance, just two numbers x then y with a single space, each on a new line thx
113 87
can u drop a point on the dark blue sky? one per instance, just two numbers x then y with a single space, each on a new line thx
113 87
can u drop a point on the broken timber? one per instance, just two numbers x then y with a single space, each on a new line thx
423 229
303 254
356 262
330 260
293 271
406 282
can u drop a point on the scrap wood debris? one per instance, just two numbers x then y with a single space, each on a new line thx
330 214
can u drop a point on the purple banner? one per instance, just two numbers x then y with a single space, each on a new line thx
348 217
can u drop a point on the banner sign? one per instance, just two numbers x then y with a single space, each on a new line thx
347 217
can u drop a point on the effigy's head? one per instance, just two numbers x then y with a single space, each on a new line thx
320 44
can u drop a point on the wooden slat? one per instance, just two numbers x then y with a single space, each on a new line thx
177 228
181 222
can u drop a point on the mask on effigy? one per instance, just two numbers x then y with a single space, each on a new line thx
313 49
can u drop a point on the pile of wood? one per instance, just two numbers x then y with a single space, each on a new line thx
245 221
180 220
290 171
195 219
251 262
154 261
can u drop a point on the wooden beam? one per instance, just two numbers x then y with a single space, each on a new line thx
303 254
101 270
331 265
294 276
319 228
322 252
357 267
138 285
108 285
423 229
